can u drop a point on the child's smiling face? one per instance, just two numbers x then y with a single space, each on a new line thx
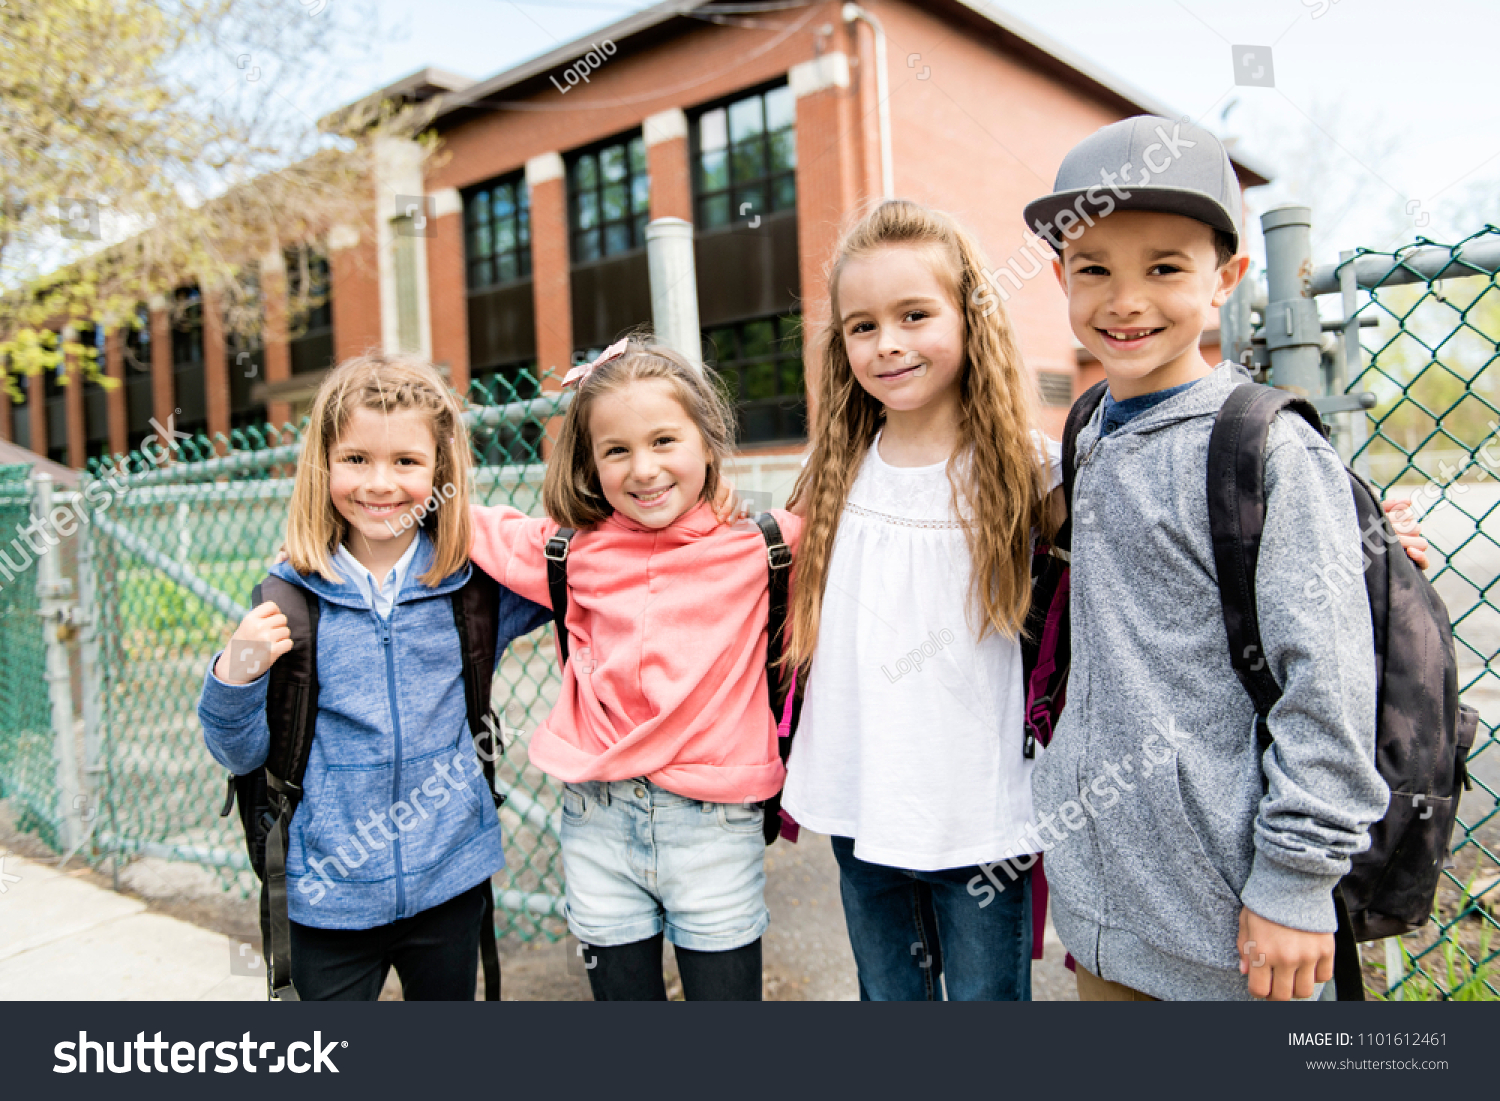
380 471
650 456
903 331
1142 287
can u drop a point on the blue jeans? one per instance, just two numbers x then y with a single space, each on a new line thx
640 860
909 928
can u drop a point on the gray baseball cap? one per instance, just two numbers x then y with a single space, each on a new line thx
1143 163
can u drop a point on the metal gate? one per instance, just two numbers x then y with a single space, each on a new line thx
106 638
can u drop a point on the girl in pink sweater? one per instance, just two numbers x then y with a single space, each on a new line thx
662 733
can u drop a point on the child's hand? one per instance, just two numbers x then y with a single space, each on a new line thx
266 633
727 505
1408 529
1282 963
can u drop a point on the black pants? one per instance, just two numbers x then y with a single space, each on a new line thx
632 972
436 953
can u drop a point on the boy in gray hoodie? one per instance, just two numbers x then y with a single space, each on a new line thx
1184 863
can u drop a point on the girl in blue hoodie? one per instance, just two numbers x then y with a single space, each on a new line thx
395 840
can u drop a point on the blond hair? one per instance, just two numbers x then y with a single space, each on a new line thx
999 478
384 383
571 492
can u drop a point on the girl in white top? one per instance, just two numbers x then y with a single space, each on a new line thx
924 490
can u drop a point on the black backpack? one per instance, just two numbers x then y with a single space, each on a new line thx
269 796
1423 733
786 687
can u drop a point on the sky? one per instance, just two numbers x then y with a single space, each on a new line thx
1382 115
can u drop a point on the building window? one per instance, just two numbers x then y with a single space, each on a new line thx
609 199
187 329
305 266
497 239
759 366
137 343
745 158
404 263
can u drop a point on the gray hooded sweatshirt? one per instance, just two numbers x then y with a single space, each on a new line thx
1158 814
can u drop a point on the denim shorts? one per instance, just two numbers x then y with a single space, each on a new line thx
640 860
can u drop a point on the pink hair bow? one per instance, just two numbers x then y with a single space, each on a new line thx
581 372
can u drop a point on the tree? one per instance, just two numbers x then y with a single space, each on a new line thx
152 143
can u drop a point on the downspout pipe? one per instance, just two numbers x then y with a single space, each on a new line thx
853 12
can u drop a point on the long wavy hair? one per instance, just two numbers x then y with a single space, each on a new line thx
1000 481
384 383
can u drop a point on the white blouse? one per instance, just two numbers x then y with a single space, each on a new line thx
911 731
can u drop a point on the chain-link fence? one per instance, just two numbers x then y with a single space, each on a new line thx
171 541
27 766
1407 372
167 554
1432 362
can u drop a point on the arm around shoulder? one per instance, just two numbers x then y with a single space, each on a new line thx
508 546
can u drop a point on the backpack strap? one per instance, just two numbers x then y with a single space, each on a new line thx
476 616
291 718
1078 416
556 552
1046 645
1236 519
786 687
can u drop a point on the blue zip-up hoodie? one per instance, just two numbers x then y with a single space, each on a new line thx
394 818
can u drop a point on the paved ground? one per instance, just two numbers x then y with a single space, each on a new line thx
171 933
64 937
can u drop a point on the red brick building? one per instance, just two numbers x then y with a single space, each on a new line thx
520 246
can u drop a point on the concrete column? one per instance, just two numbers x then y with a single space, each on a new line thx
674 287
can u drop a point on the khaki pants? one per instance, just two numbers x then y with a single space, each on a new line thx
1091 988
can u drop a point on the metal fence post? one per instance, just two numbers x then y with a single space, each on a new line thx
55 607
1357 431
87 617
1293 333
674 287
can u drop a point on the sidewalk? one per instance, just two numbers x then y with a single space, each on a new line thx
62 938
67 936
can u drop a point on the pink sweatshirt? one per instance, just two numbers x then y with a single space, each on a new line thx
667 637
